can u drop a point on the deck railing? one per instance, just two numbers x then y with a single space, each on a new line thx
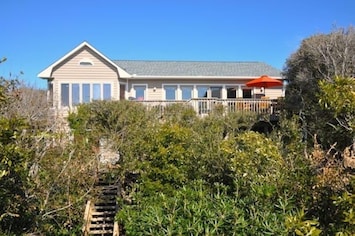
204 106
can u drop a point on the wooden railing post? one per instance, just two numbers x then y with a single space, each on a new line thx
87 219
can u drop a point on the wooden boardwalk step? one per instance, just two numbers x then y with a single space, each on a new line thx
103 213
106 203
102 219
105 207
101 226
101 232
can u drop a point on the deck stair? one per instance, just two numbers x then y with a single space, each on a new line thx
100 212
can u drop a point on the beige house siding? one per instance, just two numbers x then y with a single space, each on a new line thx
70 67
70 71
274 93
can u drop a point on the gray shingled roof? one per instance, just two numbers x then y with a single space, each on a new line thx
197 68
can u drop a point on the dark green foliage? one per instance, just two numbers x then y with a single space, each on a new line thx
190 210
179 113
339 98
200 210
169 159
15 207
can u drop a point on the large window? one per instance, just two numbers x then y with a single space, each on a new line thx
170 92
107 91
247 93
75 94
202 91
231 92
96 90
140 92
216 92
186 92
86 93
64 95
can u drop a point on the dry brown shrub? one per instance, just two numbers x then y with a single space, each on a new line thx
329 168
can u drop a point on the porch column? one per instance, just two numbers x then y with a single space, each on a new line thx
194 92
179 93
224 92
240 92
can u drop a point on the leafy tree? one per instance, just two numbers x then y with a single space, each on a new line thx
339 97
15 206
319 57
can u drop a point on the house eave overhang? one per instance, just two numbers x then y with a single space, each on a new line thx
193 77
47 73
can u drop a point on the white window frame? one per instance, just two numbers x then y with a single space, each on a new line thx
111 95
176 91
60 94
80 91
145 91
193 86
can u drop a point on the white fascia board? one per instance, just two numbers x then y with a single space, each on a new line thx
47 73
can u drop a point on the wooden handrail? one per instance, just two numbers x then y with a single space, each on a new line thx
87 216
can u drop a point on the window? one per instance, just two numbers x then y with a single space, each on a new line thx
64 95
96 89
216 92
247 93
231 92
75 94
140 92
107 91
86 93
202 91
170 92
186 92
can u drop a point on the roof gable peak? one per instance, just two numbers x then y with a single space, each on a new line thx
47 73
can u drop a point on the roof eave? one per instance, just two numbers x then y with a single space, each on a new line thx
46 73
192 77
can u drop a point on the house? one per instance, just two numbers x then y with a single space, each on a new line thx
85 74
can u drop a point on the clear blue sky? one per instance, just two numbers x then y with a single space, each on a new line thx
35 33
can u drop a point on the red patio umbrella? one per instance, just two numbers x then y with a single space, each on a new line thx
264 81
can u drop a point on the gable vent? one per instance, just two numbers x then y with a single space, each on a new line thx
86 62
